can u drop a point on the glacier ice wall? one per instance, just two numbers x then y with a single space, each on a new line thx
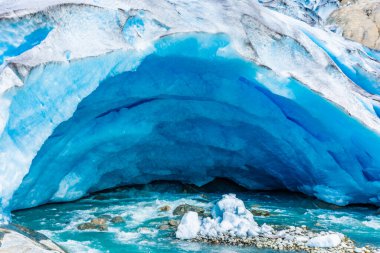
100 94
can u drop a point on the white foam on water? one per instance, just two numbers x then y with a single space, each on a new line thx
127 237
79 247
345 220
47 233
372 222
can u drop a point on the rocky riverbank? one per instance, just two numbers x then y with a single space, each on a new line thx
232 224
294 239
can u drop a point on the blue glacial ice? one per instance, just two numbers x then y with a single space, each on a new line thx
93 96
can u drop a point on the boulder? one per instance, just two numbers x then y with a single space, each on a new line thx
96 224
99 221
184 208
173 223
117 219
163 227
165 208
359 21
259 212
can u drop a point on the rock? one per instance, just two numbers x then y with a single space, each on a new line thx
359 22
97 224
163 227
173 223
89 225
117 219
184 208
15 239
102 227
258 212
165 208
99 221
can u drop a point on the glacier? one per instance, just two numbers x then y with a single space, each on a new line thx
98 94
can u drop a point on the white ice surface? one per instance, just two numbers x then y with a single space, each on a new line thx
189 226
229 217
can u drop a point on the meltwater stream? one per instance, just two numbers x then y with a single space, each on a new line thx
139 206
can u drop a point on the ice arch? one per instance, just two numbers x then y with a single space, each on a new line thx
193 111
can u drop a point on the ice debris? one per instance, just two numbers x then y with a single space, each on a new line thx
231 223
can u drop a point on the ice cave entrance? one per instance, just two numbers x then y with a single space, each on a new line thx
193 111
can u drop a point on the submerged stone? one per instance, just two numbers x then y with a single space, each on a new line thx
165 208
117 219
163 227
173 223
184 208
98 221
97 224
259 212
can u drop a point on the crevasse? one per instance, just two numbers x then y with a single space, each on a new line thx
95 97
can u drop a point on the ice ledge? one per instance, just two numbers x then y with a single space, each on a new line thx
138 25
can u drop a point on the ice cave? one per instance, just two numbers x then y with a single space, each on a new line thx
101 94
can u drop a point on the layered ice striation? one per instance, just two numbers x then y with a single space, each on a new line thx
99 94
